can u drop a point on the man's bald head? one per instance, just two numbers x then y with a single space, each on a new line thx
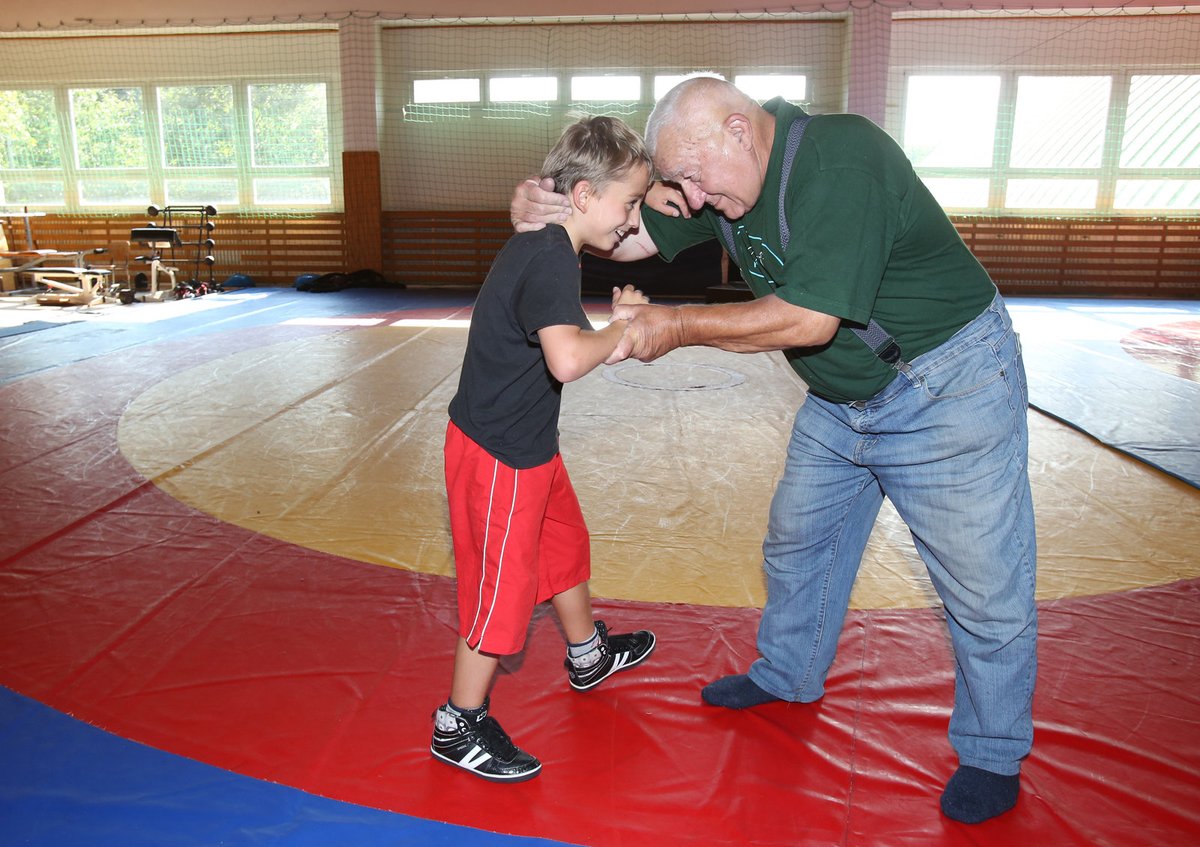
695 109
714 142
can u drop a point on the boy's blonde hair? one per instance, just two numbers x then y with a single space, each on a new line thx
598 149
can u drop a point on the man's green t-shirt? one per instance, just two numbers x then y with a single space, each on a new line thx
867 240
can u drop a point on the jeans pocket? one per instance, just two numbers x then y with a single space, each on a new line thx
970 370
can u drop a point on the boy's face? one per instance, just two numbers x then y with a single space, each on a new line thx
615 209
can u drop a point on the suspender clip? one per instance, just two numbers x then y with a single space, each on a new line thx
890 352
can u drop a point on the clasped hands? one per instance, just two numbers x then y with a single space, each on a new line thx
651 331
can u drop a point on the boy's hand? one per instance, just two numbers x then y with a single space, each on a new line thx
621 352
666 197
535 204
628 296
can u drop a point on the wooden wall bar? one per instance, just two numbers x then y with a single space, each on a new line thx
1086 257
454 248
1116 257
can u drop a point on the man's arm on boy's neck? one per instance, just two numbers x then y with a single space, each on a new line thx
637 244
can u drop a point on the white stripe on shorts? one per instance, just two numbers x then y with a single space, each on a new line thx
500 561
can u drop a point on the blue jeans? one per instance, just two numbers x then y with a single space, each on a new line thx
947 442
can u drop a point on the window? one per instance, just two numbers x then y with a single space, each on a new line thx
523 89
109 129
606 89
289 124
950 135
1059 124
1162 131
291 191
30 157
1074 143
201 191
197 126
950 121
225 144
199 145
27 134
959 192
665 82
446 91
763 87
1059 121
1162 123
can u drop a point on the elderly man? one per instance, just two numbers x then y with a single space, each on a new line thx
916 392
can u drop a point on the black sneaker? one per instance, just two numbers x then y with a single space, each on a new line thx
482 748
617 653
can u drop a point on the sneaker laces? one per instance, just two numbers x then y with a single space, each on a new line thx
495 739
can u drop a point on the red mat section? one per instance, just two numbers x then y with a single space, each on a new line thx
123 607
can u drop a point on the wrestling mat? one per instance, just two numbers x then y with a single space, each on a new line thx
227 610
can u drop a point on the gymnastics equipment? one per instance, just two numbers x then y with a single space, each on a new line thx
193 252
157 239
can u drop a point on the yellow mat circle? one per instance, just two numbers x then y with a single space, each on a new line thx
333 442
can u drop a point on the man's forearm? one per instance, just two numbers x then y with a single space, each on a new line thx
754 327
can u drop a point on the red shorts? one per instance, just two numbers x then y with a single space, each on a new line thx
519 539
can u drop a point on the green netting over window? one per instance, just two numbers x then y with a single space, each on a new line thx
28 131
198 126
1056 113
290 124
245 119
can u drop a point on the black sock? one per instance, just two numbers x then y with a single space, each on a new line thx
974 795
735 692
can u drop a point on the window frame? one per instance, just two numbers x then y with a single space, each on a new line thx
1106 175
156 172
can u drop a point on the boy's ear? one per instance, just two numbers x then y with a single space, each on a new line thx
581 194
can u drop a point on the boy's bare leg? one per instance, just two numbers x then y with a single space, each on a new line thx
592 654
574 610
464 735
473 672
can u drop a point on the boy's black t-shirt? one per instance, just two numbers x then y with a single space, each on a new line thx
507 400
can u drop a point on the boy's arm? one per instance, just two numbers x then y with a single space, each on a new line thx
571 352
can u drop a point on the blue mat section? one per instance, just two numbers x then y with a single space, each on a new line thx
66 784
1080 374
125 327
29 326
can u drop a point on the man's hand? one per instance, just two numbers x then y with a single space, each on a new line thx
666 197
535 204
653 331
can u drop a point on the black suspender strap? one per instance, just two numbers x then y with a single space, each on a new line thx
878 339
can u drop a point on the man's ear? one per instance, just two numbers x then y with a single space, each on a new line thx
581 194
740 130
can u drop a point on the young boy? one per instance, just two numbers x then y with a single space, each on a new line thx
519 534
